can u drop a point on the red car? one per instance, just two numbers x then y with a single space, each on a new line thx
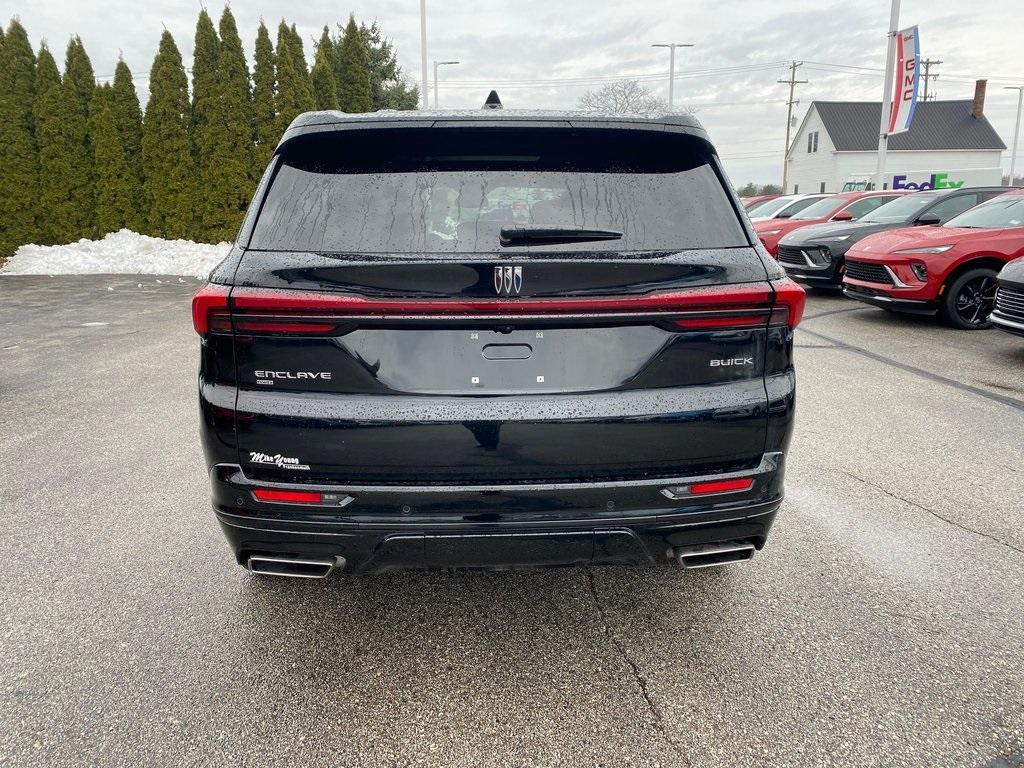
750 202
949 269
847 206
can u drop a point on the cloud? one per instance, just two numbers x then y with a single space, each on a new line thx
534 42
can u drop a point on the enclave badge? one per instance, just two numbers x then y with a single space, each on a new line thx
508 281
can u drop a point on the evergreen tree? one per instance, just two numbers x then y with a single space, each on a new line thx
79 84
325 89
387 83
264 118
227 179
205 92
78 75
124 103
115 183
400 95
295 45
354 71
294 93
19 170
166 150
51 110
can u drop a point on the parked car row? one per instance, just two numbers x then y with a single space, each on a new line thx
932 252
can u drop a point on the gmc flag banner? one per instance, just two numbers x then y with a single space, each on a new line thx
908 66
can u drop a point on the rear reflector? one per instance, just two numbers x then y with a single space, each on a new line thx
708 488
722 486
288 497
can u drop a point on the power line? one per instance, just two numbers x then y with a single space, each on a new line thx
928 64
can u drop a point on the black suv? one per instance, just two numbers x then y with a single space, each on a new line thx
495 340
816 254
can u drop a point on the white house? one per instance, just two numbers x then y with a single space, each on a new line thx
839 139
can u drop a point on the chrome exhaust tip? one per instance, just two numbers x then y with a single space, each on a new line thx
295 568
709 555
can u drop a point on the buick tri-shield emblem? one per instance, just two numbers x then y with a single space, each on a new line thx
508 281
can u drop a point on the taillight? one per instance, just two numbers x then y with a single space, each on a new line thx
288 497
790 299
276 311
210 308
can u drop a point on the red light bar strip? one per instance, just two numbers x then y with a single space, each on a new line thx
722 486
277 302
287 497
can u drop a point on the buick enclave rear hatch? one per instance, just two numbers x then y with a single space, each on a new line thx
482 305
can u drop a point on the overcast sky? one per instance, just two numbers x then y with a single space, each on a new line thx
540 53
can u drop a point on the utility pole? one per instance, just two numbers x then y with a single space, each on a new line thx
927 64
886 110
423 51
671 67
1016 130
436 65
792 83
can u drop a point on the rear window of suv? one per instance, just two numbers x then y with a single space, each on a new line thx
452 190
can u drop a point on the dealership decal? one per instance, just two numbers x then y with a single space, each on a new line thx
904 97
284 462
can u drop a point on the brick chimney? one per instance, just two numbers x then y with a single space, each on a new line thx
978 108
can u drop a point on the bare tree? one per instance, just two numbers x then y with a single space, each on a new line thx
621 97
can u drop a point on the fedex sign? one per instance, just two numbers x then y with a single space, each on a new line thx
935 181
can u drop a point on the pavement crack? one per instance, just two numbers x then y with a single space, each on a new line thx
932 512
641 682
994 396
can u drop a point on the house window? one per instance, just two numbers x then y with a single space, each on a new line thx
796 188
816 144
812 142
822 187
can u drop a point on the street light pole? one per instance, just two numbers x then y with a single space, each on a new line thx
423 50
436 65
671 67
1016 130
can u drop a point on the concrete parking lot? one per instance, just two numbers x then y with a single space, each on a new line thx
883 624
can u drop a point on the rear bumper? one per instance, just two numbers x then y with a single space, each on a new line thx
396 527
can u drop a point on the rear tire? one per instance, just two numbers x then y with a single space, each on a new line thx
969 299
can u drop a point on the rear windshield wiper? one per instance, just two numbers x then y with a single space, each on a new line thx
554 235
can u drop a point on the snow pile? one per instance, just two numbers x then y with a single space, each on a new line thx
123 252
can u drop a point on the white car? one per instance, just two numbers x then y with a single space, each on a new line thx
784 207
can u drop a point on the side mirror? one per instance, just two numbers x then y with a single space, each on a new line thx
843 216
927 220
783 215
